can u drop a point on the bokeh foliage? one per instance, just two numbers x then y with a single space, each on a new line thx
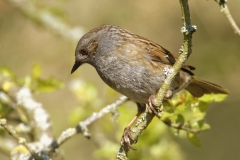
216 56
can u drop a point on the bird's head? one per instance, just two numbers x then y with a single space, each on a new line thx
85 50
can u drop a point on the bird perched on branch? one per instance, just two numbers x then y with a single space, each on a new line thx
135 67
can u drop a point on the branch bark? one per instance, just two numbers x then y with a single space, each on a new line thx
82 126
227 14
48 20
188 29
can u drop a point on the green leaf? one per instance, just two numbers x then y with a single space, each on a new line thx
200 123
181 108
207 98
26 81
213 97
193 139
36 71
203 106
49 84
206 127
6 72
180 119
220 97
197 115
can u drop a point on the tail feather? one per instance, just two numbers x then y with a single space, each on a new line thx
200 87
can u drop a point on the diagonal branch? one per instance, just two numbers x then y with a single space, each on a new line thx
226 12
188 29
48 20
82 126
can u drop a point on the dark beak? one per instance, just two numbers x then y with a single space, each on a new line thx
75 66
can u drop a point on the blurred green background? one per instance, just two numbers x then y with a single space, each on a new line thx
216 55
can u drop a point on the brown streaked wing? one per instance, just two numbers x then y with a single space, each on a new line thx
162 55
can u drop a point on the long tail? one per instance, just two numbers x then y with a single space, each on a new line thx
199 87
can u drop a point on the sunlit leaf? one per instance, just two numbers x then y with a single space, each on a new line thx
203 106
213 97
206 127
49 84
27 81
181 107
195 125
6 72
193 139
36 71
197 115
220 97
7 85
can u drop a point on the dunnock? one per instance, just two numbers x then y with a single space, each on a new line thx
135 67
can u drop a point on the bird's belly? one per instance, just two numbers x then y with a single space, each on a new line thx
135 82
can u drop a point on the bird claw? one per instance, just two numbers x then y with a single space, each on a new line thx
127 138
151 108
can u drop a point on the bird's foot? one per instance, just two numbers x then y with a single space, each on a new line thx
151 108
127 138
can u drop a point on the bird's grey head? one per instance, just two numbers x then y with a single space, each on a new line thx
87 46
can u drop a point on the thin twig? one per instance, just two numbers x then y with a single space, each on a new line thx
82 126
21 140
48 20
144 120
226 12
184 127
185 51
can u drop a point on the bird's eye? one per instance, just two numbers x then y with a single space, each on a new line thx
83 52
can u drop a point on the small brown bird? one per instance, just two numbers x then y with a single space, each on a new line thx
135 67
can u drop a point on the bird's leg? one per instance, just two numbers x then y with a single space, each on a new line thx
127 137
